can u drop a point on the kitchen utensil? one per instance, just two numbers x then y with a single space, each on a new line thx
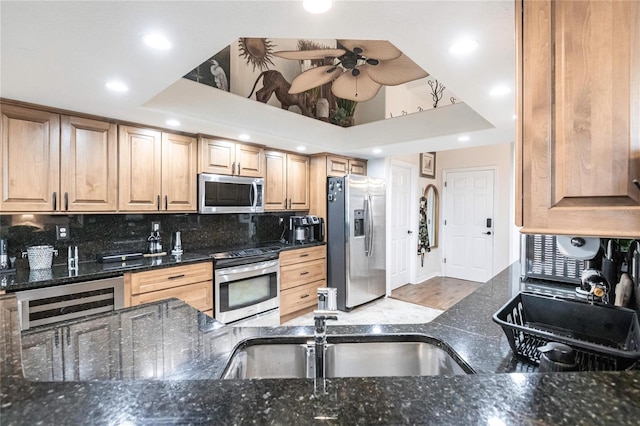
557 357
581 248
40 257
118 257
610 267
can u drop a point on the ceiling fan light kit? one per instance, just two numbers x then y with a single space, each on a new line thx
360 69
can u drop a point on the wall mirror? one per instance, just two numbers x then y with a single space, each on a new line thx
431 195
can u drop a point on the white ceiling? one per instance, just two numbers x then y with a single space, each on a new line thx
60 54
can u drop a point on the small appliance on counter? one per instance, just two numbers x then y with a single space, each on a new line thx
305 229
7 264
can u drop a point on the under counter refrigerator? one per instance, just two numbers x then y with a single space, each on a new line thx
356 249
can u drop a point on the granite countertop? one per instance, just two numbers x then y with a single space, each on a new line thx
26 279
502 393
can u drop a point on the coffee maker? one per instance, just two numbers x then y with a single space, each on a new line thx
316 228
298 230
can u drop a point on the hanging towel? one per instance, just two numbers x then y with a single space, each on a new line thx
423 233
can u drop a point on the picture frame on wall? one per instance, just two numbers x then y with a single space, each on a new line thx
428 165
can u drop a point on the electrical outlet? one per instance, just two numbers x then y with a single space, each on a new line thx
155 226
62 232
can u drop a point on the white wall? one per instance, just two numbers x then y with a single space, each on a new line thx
506 242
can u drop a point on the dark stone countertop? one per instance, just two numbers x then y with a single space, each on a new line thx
190 393
26 279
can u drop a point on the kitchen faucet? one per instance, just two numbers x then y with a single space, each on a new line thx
325 312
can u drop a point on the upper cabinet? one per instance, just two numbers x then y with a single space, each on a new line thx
230 158
157 170
286 181
56 163
578 138
328 165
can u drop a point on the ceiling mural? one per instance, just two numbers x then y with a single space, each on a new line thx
329 80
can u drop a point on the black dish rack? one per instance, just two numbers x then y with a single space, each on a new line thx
603 337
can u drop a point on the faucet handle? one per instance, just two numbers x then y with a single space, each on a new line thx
321 314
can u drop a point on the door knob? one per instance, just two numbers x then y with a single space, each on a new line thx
487 233
409 232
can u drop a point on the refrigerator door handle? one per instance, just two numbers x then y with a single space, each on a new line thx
368 236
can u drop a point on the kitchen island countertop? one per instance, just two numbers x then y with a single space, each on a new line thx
503 392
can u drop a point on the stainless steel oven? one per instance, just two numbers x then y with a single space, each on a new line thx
246 284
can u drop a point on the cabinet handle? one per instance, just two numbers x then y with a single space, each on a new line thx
66 201
166 308
304 296
636 182
285 203
55 200
233 168
304 273
304 255
159 311
176 276
238 168
289 203
56 339
158 202
166 202
68 336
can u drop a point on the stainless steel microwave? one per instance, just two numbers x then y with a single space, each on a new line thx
230 194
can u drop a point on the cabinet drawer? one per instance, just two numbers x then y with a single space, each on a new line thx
295 275
199 295
163 278
289 257
300 297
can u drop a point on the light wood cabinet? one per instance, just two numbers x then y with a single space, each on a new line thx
286 181
328 165
578 139
226 157
56 163
157 171
302 272
192 284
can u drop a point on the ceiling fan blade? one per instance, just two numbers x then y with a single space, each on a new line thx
397 71
360 88
376 49
309 54
314 77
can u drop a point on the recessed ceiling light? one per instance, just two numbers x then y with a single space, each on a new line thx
316 6
244 137
500 91
301 148
156 41
463 46
116 86
377 151
173 123
464 138
514 116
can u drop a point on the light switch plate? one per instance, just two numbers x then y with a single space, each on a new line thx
62 232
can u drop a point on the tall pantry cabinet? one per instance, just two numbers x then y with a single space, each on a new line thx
578 139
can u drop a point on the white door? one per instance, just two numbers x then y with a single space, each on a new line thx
400 225
468 225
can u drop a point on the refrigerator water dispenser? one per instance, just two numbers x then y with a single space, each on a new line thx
358 223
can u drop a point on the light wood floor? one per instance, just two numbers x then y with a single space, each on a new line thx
438 293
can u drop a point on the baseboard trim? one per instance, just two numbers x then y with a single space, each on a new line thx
426 277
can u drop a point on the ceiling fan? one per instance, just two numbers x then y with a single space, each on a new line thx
362 68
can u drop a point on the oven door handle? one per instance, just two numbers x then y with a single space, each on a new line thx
245 271
253 197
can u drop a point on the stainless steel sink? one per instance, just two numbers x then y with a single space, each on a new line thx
346 356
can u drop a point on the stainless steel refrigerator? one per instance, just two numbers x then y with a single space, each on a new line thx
356 245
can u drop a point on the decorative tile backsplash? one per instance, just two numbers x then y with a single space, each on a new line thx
95 234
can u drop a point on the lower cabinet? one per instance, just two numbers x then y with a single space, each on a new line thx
302 272
82 351
191 283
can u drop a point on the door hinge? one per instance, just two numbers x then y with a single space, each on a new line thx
445 222
444 260
445 183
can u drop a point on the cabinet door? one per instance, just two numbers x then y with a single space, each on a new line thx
140 169
88 176
250 160
337 166
42 355
180 336
179 178
275 193
298 181
91 350
580 141
358 167
30 155
217 156
141 343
